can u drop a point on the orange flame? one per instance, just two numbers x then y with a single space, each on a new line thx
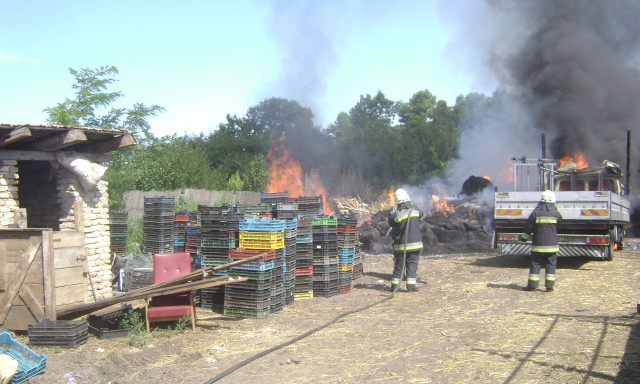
439 204
285 174
387 199
578 158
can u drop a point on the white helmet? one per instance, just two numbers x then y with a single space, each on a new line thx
402 196
548 197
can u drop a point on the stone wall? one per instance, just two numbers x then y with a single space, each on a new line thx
8 192
94 221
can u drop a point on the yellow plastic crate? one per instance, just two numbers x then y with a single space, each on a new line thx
261 235
346 267
261 244
303 295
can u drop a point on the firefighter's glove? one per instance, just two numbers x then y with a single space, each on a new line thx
523 237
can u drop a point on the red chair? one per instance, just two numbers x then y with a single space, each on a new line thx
168 266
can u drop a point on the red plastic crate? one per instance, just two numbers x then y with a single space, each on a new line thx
347 229
304 271
243 253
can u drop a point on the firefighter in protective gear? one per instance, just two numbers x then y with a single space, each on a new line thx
404 219
542 225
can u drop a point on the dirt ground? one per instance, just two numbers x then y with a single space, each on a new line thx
470 323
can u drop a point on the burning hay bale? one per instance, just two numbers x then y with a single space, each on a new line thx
460 228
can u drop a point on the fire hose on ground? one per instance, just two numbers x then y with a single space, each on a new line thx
318 328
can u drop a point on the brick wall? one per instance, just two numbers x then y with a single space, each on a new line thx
8 192
95 212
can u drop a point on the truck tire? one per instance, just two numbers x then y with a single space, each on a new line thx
610 249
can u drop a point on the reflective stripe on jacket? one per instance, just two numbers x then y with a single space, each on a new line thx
542 225
400 216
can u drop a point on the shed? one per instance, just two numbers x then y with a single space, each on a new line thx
54 221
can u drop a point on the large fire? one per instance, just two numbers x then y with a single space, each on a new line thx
439 204
285 174
577 158
387 200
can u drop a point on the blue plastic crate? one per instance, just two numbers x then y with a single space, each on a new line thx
346 259
304 239
29 362
347 252
291 224
261 265
264 224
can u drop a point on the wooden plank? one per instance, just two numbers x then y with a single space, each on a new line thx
3 266
68 239
49 156
31 302
74 311
48 275
111 145
199 274
68 257
16 135
70 294
10 294
19 319
60 141
78 216
69 276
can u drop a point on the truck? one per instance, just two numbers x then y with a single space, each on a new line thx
590 200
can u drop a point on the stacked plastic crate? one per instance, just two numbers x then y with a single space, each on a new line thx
192 240
309 206
326 279
157 224
264 288
304 259
218 234
290 251
281 209
118 233
358 270
347 240
180 223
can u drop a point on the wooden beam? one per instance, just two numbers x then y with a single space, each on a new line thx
48 156
16 135
57 142
31 302
48 274
198 274
111 145
74 311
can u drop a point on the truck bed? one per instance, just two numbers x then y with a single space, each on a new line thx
598 207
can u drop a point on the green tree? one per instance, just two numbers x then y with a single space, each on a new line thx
428 136
365 142
164 163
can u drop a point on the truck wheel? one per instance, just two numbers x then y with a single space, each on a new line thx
610 250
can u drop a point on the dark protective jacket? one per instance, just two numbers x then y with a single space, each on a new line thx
400 216
543 226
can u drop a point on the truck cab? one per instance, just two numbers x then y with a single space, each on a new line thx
604 178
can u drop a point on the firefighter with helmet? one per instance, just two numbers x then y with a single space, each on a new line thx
542 226
404 219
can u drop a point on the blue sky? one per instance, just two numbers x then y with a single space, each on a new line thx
204 59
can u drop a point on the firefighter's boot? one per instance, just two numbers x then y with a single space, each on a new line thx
411 284
393 287
532 283
549 281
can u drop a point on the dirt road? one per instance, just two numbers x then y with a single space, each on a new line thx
471 323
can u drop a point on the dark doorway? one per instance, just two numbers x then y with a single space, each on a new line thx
37 193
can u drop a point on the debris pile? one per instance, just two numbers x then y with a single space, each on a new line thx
459 225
